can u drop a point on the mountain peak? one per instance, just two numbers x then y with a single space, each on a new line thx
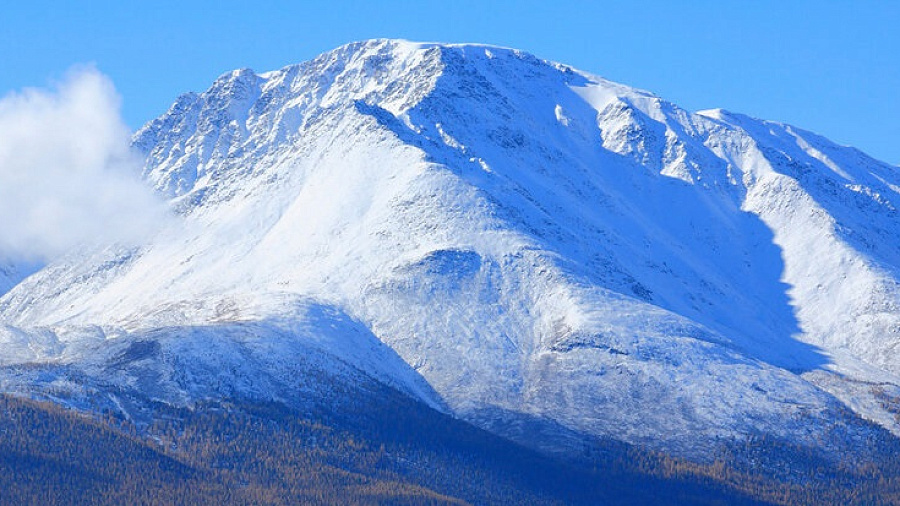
244 110
535 242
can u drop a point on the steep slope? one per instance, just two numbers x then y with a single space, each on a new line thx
8 278
546 251
12 272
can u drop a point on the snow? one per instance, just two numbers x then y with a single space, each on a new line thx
493 233
12 272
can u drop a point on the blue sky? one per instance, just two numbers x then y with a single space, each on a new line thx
828 66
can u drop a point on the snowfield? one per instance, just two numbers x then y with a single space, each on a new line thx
504 238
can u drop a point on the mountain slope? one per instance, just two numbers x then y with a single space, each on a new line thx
546 251
392 451
13 272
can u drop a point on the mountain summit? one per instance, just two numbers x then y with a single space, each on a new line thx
534 249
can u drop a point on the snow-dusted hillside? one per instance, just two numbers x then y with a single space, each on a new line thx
540 246
13 272
8 277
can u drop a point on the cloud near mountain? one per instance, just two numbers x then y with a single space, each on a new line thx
67 173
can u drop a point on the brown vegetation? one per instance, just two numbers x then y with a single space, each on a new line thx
395 452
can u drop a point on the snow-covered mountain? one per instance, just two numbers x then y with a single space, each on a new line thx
524 245
8 277
14 271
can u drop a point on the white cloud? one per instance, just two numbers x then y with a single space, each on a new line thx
67 175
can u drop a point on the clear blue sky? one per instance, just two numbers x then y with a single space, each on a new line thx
828 66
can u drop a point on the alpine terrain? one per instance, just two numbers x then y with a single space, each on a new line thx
530 258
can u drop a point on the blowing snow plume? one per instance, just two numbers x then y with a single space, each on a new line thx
67 175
